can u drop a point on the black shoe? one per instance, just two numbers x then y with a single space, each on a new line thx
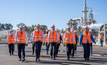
23 60
54 58
67 58
12 53
32 53
50 57
36 59
19 59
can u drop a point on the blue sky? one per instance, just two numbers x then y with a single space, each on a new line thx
47 12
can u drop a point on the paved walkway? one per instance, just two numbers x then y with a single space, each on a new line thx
5 59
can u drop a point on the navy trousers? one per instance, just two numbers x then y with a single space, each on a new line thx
53 45
57 48
11 49
38 48
101 41
21 48
86 50
47 47
33 47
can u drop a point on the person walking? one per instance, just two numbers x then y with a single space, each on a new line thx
22 41
53 39
86 39
11 41
38 39
59 41
101 39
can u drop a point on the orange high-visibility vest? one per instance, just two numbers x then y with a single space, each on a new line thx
101 36
68 38
46 38
21 38
86 37
53 36
11 39
59 35
38 36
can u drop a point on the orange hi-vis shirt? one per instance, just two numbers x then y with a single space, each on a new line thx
11 39
46 38
21 37
86 37
59 35
68 38
53 37
38 36
101 36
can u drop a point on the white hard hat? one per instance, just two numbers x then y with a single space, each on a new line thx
35 27
90 30
53 25
72 29
46 30
85 26
68 27
21 26
75 31
11 30
37 24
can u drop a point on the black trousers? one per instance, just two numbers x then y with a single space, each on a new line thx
47 47
38 48
57 48
11 48
53 45
33 47
21 49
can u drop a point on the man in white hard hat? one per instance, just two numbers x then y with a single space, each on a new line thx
53 39
59 41
22 41
11 41
38 39
86 39
68 41
33 46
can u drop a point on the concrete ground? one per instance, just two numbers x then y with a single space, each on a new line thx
5 59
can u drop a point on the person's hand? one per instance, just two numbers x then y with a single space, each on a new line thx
57 42
80 44
33 43
43 43
48 43
64 44
26 44
17 44
94 42
73 42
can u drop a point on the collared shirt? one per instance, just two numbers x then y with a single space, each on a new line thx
49 36
32 35
42 36
16 38
82 37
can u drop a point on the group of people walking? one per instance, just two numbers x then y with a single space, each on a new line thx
53 39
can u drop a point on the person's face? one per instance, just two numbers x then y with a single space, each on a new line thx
86 29
21 29
68 29
56 30
46 32
11 32
53 28
38 27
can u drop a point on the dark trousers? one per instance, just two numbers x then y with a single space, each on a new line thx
75 47
38 48
86 50
101 41
21 48
47 47
33 47
53 45
72 48
91 49
57 48
11 49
